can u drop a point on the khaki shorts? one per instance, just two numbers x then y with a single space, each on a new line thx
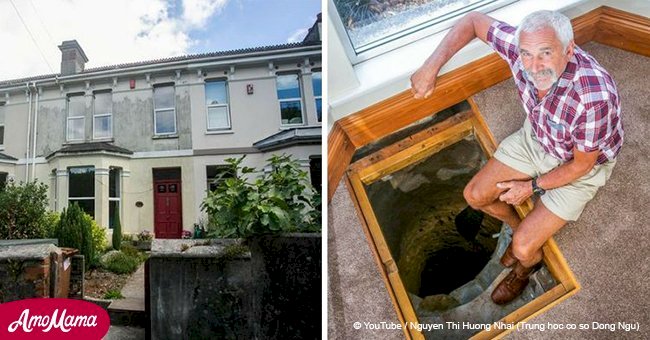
522 152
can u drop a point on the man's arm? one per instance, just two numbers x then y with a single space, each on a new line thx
473 25
580 165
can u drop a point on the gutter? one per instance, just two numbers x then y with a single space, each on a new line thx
34 129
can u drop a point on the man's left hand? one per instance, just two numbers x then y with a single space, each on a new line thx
516 191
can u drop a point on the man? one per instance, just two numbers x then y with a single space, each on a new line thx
567 147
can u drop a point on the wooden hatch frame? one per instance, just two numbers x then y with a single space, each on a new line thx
412 150
605 25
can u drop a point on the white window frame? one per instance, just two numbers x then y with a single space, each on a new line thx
2 124
280 101
100 115
318 97
72 199
156 110
406 36
209 106
118 198
68 119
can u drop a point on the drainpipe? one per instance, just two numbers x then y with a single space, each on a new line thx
34 129
29 123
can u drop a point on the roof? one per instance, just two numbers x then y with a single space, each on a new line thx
188 57
91 147
7 157
296 136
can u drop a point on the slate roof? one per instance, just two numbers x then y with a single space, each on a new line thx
91 147
296 136
188 57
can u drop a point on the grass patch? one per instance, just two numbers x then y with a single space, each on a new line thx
126 261
113 294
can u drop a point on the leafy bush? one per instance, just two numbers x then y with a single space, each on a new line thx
145 235
281 201
75 231
122 263
98 233
52 219
113 294
22 211
127 237
117 231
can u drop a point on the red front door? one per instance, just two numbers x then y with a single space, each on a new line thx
167 208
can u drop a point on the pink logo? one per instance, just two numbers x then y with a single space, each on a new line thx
52 319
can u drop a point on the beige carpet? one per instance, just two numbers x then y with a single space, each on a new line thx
608 249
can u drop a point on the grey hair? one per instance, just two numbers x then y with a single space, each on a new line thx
536 21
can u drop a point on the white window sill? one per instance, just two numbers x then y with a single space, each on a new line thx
220 132
378 79
170 136
103 140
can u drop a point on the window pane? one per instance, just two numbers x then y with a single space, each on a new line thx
370 23
2 135
291 112
165 121
319 109
114 183
317 80
288 86
3 180
217 173
76 106
163 97
112 207
103 103
218 117
76 128
88 206
216 93
81 182
103 127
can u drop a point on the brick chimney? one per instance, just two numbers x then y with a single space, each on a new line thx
73 58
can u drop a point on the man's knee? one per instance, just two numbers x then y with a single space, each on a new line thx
475 196
523 249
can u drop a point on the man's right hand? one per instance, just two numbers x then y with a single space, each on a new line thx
423 82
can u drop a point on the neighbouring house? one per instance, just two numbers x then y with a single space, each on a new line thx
147 138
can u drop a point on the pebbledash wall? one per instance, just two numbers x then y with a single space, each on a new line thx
147 135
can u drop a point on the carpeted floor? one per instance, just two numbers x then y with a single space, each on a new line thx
608 249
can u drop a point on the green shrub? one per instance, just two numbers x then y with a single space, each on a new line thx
51 223
113 294
99 240
122 263
281 201
22 211
117 231
75 231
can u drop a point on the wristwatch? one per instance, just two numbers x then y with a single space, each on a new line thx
536 189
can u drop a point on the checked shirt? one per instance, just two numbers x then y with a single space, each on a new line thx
581 110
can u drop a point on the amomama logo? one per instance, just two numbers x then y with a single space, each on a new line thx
52 319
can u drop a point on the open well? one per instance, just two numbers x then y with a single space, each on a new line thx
408 188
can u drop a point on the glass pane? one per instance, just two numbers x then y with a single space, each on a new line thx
319 109
76 128
112 207
76 106
288 86
218 117
165 121
291 112
163 97
114 183
215 92
103 127
88 206
371 22
217 173
2 135
81 182
317 80
103 103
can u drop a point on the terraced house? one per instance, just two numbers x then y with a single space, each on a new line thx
146 138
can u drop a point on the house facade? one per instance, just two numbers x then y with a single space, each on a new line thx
148 138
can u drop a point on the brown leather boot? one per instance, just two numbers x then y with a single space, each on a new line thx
513 284
508 259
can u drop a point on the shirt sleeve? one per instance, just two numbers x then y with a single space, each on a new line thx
593 128
501 37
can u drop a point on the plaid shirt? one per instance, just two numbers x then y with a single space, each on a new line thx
581 110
